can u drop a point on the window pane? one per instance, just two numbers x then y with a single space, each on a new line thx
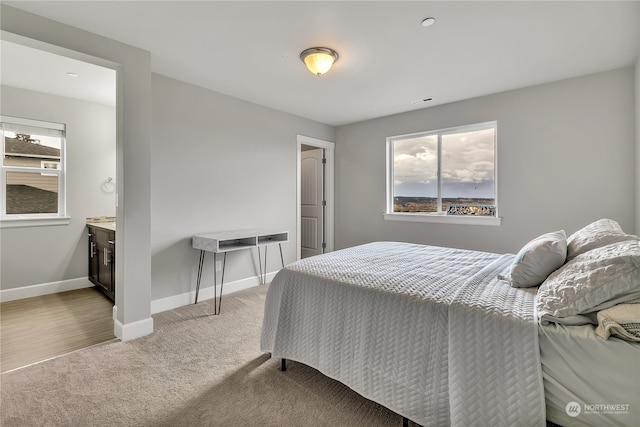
26 150
468 168
31 192
415 174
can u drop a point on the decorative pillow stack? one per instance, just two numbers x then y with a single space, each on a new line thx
538 258
595 235
603 269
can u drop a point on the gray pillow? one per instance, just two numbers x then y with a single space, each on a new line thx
592 281
537 259
597 234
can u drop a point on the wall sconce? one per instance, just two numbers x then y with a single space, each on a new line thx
319 59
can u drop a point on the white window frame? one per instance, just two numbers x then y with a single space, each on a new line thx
440 217
36 219
44 163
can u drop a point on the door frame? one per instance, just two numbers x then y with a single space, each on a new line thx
328 188
119 177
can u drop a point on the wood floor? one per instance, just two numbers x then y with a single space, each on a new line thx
36 329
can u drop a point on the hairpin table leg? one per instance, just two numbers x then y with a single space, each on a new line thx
201 261
264 278
224 264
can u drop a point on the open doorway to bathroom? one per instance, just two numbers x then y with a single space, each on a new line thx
49 305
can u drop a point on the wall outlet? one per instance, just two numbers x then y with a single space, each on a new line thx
218 265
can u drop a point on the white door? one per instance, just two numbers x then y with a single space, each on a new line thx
311 203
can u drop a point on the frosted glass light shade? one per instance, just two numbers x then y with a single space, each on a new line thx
319 60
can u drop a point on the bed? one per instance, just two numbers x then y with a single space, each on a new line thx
446 336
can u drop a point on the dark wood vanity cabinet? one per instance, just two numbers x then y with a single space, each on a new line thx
102 248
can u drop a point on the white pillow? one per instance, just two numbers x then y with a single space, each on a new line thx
592 281
538 258
595 235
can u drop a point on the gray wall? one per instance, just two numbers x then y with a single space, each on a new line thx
34 255
133 144
218 163
566 157
638 144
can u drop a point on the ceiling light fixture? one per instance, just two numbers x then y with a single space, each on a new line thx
319 59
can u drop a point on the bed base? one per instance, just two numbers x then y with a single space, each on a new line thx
283 367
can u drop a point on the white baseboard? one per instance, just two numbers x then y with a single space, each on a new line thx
133 330
140 328
44 289
175 301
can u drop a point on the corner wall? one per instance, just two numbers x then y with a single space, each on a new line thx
133 141
566 157
637 117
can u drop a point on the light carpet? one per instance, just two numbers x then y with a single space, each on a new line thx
196 369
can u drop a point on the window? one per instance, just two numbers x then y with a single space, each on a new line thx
32 175
49 165
443 173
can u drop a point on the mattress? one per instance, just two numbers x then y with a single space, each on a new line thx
431 333
587 380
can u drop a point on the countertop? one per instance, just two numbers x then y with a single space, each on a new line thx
111 226
106 223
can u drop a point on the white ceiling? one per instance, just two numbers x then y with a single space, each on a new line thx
250 50
40 71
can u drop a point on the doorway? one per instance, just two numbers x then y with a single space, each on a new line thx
42 81
315 196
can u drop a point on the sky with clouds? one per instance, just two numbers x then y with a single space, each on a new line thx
467 165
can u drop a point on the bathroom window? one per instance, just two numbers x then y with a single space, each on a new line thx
32 176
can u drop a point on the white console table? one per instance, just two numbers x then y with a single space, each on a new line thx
228 241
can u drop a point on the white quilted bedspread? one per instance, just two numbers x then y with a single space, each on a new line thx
428 332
